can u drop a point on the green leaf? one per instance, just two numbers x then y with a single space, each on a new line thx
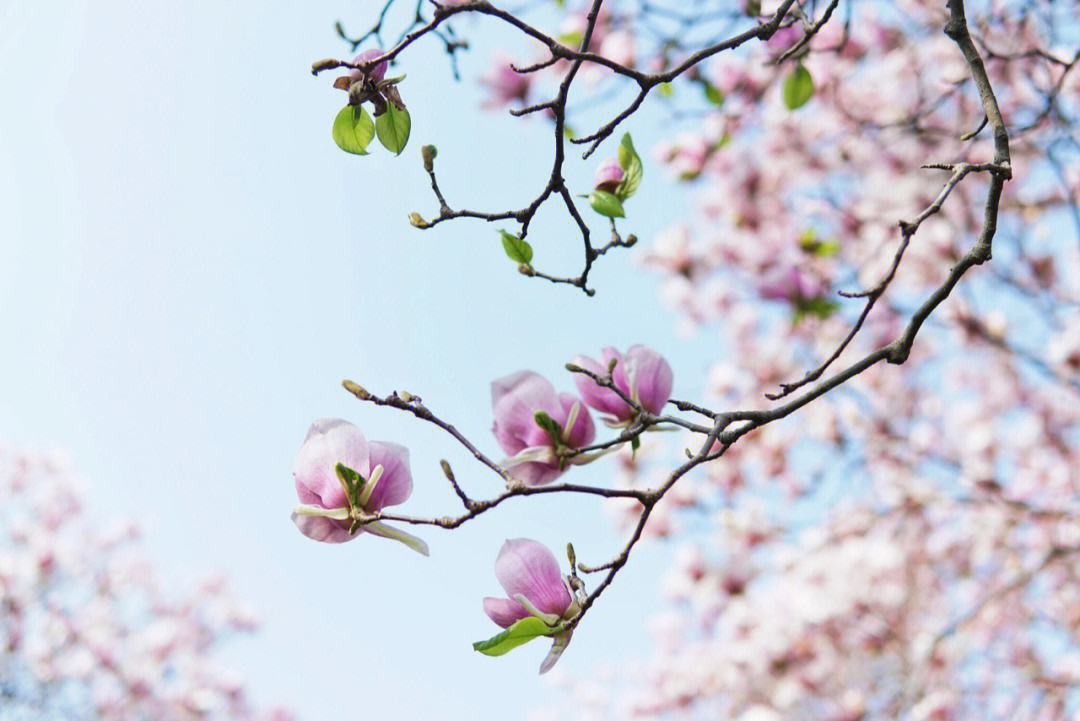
630 162
572 39
550 426
665 89
821 307
353 129
713 94
393 128
606 204
517 249
798 88
520 633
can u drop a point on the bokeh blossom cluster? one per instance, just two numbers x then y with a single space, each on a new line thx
87 629
908 547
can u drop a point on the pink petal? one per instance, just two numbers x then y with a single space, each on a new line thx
322 529
583 430
395 485
602 399
329 441
515 399
377 72
529 568
649 376
535 473
504 611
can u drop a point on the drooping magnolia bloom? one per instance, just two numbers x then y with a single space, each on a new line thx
608 175
515 402
642 374
534 586
330 496
377 73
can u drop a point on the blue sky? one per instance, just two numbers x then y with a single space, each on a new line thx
189 267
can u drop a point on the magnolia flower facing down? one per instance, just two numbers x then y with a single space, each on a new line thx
608 175
534 586
340 474
642 374
377 73
520 402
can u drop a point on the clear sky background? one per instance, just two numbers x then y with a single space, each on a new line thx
189 267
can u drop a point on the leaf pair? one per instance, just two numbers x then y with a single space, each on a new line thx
354 129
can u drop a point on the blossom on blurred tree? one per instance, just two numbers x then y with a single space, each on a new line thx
85 628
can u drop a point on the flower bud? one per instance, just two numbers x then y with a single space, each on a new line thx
376 73
608 175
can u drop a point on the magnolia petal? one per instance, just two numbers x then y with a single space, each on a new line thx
578 428
514 401
378 528
336 514
528 568
549 618
596 396
536 474
559 642
649 377
503 611
395 486
329 441
322 529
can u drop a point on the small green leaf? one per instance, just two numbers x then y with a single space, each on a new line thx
550 426
713 94
393 128
635 443
349 476
517 249
665 89
520 633
606 204
572 39
798 88
630 162
353 129
820 307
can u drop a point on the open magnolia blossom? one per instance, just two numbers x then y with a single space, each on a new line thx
521 403
641 374
535 589
340 476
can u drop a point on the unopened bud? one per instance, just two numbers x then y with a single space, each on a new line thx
429 152
356 390
417 221
446 470
319 65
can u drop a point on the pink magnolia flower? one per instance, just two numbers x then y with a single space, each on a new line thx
534 586
377 73
642 374
608 175
326 513
515 401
